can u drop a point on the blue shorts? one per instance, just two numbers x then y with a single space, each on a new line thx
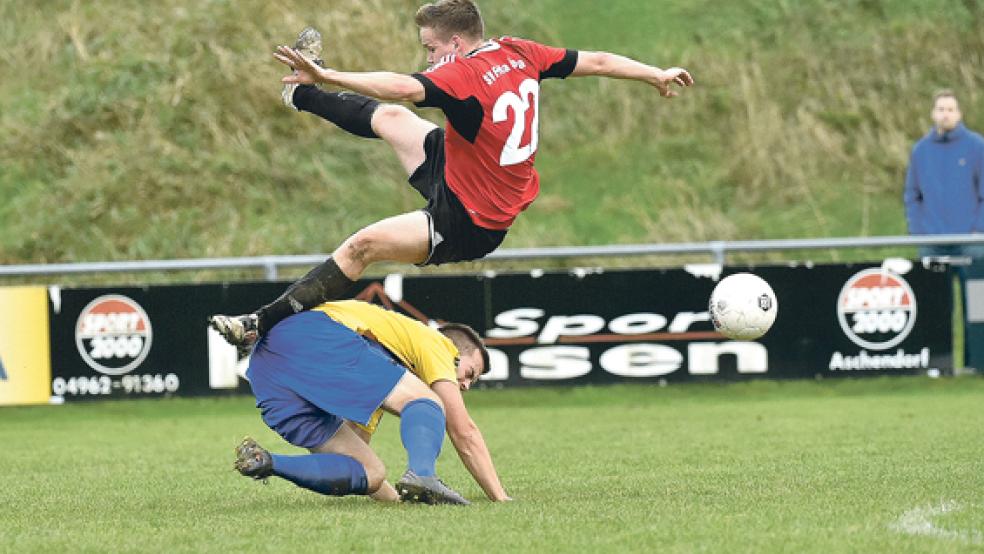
310 372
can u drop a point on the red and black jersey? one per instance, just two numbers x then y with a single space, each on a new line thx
491 98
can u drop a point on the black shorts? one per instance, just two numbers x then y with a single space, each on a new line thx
454 237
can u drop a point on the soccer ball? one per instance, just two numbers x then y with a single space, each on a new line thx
743 306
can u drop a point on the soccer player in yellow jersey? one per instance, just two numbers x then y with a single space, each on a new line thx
317 372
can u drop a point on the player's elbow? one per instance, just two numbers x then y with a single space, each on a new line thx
606 62
407 89
593 63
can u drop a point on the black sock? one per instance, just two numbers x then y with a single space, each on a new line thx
350 111
323 283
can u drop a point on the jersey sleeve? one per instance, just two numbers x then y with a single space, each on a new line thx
446 87
442 83
551 62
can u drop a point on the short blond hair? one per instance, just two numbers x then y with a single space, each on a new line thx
452 17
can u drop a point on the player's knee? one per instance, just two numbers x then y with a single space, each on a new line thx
363 246
387 115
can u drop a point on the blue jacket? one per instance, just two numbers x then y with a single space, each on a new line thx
943 188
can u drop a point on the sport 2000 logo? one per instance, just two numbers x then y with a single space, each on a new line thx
876 309
113 334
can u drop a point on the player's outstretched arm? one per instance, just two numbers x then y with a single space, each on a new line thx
384 85
605 64
468 441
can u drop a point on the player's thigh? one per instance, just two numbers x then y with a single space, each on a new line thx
403 238
404 131
408 389
347 442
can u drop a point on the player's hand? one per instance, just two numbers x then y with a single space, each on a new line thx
305 71
673 76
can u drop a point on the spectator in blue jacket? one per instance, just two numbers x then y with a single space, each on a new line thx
943 185
944 194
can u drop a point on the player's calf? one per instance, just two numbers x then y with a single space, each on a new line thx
351 112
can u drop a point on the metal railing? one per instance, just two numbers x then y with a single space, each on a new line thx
718 250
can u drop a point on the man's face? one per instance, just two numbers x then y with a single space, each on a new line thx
435 46
470 368
946 114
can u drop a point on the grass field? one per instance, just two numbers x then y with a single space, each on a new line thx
879 465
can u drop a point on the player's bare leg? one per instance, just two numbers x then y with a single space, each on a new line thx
404 238
404 131
386 492
348 442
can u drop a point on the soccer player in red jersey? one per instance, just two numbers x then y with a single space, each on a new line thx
477 174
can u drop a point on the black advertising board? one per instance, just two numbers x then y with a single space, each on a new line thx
600 327
576 327
130 342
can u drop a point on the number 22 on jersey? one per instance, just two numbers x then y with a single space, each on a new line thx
527 99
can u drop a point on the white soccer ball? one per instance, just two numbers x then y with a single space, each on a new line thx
743 306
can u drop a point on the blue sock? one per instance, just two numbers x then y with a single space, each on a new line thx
422 431
331 474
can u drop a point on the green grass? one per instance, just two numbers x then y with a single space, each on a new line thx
826 466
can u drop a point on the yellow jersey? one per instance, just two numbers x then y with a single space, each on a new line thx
426 352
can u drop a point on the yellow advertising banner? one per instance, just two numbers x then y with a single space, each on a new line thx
25 360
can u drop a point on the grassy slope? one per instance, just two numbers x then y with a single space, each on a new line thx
756 467
154 130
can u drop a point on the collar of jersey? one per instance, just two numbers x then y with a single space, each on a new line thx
487 46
